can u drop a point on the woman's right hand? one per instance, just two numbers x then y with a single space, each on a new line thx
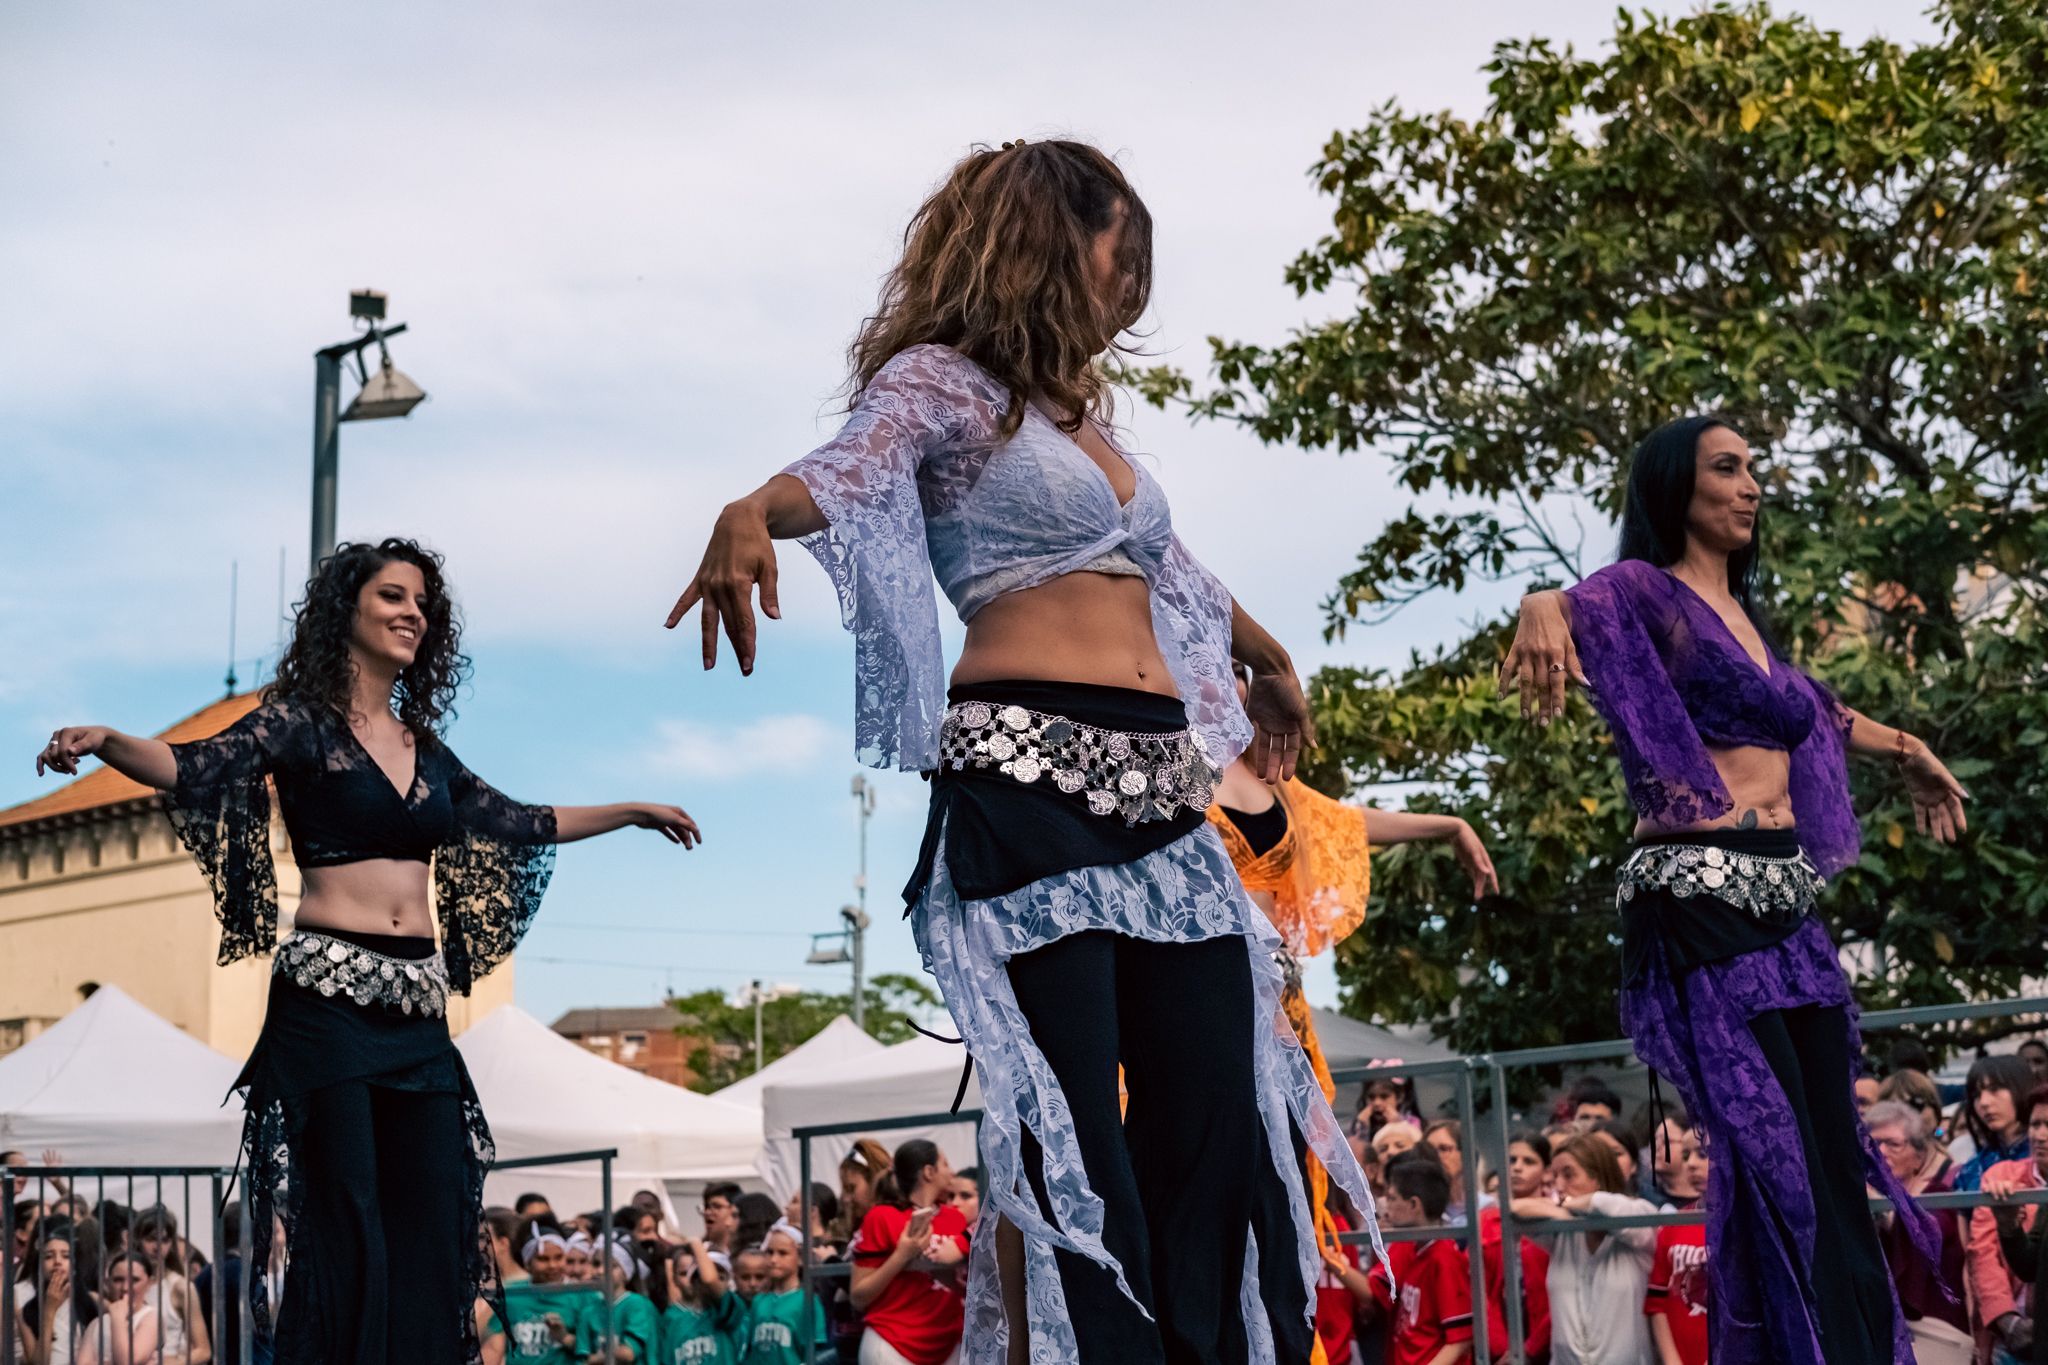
1541 658
740 554
917 1232
68 745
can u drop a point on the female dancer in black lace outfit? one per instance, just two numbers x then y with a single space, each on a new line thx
363 1130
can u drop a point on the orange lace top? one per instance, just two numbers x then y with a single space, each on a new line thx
1319 873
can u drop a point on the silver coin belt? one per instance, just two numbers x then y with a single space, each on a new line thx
1141 777
335 966
1766 887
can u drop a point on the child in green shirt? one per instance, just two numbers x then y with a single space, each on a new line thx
786 1310
705 1322
636 1324
544 1309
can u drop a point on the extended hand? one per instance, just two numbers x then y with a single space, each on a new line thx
1937 796
1471 855
67 746
917 1231
944 1251
1541 658
673 821
1281 726
739 555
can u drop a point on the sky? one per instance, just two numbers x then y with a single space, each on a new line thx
632 242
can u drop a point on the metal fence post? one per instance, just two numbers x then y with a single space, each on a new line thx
1510 1238
610 1299
252 1275
1475 1253
803 1166
220 1270
7 1329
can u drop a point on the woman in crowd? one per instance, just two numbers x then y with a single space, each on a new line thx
1080 916
354 1084
141 1324
1734 760
1918 1092
1528 1168
1597 1279
155 1235
1675 1304
51 1325
1994 1099
913 1317
1666 1176
1445 1139
864 1164
1621 1140
2004 1261
1940 1326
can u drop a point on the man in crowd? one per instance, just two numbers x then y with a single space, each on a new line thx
721 1215
1590 1102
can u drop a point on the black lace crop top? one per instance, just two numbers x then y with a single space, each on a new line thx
491 855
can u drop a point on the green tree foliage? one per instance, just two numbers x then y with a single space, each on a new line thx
725 1052
1840 246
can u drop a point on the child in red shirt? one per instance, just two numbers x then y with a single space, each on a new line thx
911 1314
1676 1303
1432 1322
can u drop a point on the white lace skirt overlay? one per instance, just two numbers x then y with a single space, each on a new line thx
1184 893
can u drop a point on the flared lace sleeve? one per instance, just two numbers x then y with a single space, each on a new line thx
1629 629
1819 785
220 809
1191 618
490 875
927 399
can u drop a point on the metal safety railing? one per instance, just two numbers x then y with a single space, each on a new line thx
1465 1074
34 1252
814 1275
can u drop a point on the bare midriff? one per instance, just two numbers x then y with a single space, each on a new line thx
375 896
1759 781
1081 627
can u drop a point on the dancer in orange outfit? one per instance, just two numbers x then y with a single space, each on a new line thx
1305 860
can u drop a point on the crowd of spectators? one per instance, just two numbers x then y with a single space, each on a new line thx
99 1283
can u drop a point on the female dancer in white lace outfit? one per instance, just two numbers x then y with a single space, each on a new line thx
1075 908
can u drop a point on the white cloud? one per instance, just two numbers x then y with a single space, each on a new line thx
755 748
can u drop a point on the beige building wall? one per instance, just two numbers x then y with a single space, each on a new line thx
110 897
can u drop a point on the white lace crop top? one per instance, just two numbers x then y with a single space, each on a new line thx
916 485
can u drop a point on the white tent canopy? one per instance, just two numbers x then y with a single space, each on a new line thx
111 1084
828 1052
545 1095
917 1077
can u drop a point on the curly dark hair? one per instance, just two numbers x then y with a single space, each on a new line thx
316 668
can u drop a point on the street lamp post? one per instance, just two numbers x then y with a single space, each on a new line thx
388 393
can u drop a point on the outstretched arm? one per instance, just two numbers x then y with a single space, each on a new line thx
741 554
587 822
148 761
1937 796
1385 827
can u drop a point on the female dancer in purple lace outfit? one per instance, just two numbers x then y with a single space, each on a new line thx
1735 763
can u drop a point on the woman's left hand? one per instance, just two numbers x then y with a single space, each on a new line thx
1471 855
1281 725
944 1249
673 821
1937 796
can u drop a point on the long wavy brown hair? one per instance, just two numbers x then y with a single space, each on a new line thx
316 668
995 265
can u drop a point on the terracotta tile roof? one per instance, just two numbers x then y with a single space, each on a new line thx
104 787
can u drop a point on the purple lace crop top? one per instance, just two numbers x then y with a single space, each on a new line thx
1671 681
918 484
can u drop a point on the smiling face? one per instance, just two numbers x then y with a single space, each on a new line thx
549 1264
576 1267
390 619
1725 493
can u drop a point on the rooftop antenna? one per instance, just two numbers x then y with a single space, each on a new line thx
234 588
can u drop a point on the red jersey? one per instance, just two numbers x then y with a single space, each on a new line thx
1678 1289
916 1314
1336 1310
1436 1299
1535 1258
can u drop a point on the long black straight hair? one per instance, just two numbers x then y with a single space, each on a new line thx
1661 475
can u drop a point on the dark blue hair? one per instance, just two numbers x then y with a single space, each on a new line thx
1661 474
